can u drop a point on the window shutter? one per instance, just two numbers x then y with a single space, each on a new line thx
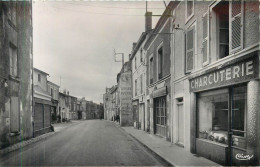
205 43
189 50
236 25
14 116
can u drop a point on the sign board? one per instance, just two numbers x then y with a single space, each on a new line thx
232 74
160 92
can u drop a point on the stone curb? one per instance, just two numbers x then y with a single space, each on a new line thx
31 141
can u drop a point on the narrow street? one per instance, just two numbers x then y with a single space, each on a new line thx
90 143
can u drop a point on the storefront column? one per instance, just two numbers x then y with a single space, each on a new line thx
253 107
193 123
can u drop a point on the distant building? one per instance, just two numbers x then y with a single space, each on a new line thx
16 66
82 106
73 107
123 99
53 90
42 103
107 101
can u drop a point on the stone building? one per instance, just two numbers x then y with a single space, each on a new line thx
72 107
215 80
16 66
107 101
123 99
64 110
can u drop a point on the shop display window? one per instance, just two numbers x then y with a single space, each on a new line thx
213 120
213 115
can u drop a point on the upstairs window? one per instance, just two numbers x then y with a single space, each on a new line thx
135 63
141 83
227 19
141 55
136 87
52 93
160 63
189 9
13 60
205 42
39 77
151 70
189 49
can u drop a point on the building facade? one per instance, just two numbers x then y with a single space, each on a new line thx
42 103
53 90
123 100
16 68
158 53
215 80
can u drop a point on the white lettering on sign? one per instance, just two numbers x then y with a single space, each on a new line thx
238 71
244 157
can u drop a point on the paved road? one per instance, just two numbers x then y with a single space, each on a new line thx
90 143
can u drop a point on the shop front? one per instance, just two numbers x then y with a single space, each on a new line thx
226 112
160 112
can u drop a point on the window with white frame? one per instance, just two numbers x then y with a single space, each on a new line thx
227 21
189 9
13 60
189 61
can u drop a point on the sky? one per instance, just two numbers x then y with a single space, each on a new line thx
74 41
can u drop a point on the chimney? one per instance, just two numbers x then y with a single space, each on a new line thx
148 21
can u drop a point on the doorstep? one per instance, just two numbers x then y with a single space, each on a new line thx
170 152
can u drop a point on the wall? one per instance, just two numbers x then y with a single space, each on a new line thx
21 86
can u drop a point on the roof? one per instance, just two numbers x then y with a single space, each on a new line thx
51 83
138 44
40 71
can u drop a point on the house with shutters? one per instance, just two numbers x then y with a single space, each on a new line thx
158 77
42 103
215 85
16 68
53 90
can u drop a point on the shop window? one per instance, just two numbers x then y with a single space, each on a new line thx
160 111
13 60
160 62
213 112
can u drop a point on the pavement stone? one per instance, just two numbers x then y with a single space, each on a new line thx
60 126
170 152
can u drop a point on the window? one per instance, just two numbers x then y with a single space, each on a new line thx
39 77
151 70
190 49
227 21
205 42
141 83
12 12
52 93
222 28
213 111
189 9
160 116
135 63
13 60
160 62
141 55
136 87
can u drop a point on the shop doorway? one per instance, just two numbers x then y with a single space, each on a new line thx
180 140
160 116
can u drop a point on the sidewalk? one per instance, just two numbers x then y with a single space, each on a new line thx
175 155
57 128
